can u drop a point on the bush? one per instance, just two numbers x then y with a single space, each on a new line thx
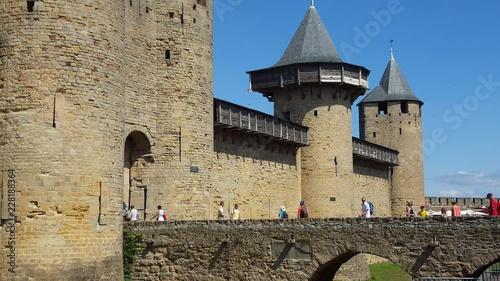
131 248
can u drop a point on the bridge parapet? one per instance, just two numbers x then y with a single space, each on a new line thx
314 249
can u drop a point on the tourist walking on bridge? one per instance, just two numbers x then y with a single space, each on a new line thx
160 214
365 208
494 206
455 209
302 212
220 213
410 212
423 212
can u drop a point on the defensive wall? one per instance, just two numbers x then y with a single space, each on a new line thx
312 249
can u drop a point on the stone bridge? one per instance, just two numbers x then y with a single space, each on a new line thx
312 249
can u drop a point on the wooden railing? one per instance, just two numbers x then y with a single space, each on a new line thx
375 152
234 116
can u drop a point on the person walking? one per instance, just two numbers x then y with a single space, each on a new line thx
235 213
160 214
493 208
423 212
410 212
134 213
302 212
220 212
455 209
365 208
282 213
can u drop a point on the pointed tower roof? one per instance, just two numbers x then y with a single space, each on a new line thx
311 43
392 87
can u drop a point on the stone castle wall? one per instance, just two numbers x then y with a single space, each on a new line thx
258 174
373 183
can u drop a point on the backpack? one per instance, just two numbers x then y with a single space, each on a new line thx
303 212
164 216
372 208
285 215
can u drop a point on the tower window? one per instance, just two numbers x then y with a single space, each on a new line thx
171 15
31 5
404 107
374 134
131 3
286 115
400 131
202 2
315 113
167 54
194 7
382 108
194 20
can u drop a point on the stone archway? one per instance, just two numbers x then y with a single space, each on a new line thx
136 165
357 267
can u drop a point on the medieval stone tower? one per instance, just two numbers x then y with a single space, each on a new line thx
98 100
312 86
391 116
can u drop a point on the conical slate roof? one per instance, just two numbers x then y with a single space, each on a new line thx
311 43
393 86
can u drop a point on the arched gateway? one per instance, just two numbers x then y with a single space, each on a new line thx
136 165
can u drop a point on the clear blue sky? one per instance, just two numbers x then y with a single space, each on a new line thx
448 50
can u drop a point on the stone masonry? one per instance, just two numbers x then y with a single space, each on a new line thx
106 104
312 249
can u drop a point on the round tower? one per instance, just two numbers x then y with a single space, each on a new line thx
391 116
184 126
312 86
61 124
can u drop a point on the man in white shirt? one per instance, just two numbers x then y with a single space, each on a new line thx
365 208
134 213
220 213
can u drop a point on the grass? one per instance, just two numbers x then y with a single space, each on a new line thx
388 271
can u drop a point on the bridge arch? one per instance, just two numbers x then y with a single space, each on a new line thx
327 270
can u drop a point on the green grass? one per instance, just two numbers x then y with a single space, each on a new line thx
388 271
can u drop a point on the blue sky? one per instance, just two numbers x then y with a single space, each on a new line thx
448 50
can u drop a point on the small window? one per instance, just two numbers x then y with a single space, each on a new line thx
194 20
202 2
400 131
167 54
286 115
194 7
131 3
382 108
315 113
31 5
171 15
374 134
404 107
